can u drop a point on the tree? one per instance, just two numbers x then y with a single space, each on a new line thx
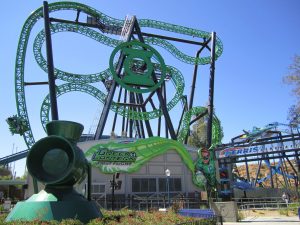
293 78
198 134
293 116
5 174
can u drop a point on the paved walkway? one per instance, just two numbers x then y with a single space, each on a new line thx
292 220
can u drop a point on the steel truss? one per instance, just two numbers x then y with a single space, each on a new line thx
276 152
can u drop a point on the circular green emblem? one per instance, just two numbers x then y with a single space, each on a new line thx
138 74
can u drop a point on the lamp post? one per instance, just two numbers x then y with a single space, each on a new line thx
113 185
168 174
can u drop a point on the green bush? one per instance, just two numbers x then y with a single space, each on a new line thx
293 207
123 217
284 212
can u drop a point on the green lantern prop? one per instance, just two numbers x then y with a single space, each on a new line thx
59 164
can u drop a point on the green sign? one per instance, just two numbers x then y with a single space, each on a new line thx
107 155
138 67
130 156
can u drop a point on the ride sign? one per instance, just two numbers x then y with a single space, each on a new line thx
108 155
138 67
252 150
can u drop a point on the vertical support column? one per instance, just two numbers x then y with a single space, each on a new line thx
257 173
165 102
271 174
51 78
123 119
284 171
185 108
297 164
105 111
137 124
159 123
211 90
50 66
143 108
194 79
130 120
165 112
116 113
138 100
247 170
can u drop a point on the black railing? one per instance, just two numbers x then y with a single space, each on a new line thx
148 203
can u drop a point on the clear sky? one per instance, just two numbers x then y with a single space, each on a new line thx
260 37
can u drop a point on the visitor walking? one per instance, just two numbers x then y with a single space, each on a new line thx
286 197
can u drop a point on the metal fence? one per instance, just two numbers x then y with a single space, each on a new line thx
266 206
262 203
148 203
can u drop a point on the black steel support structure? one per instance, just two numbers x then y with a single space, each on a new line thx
185 109
211 90
130 120
50 64
159 123
257 173
140 100
103 118
115 117
195 76
166 114
140 109
165 103
159 93
287 148
247 170
137 124
110 96
124 119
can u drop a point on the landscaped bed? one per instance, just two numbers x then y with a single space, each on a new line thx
125 216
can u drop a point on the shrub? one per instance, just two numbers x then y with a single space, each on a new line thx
123 217
284 212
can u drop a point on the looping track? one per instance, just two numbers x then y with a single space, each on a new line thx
77 82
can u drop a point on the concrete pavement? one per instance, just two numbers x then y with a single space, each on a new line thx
291 220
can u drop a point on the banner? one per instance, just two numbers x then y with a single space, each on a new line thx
252 150
129 157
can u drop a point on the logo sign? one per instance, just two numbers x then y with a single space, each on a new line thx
108 155
252 150
139 67
231 152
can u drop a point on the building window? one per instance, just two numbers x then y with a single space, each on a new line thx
174 184
98 188
143 185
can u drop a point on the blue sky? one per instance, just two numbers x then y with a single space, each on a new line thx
260 37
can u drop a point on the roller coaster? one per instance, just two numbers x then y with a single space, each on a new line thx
276 147
142 80
143 100
77 82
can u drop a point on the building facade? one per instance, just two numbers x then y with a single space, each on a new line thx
150 182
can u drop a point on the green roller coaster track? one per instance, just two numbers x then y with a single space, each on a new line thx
77 82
